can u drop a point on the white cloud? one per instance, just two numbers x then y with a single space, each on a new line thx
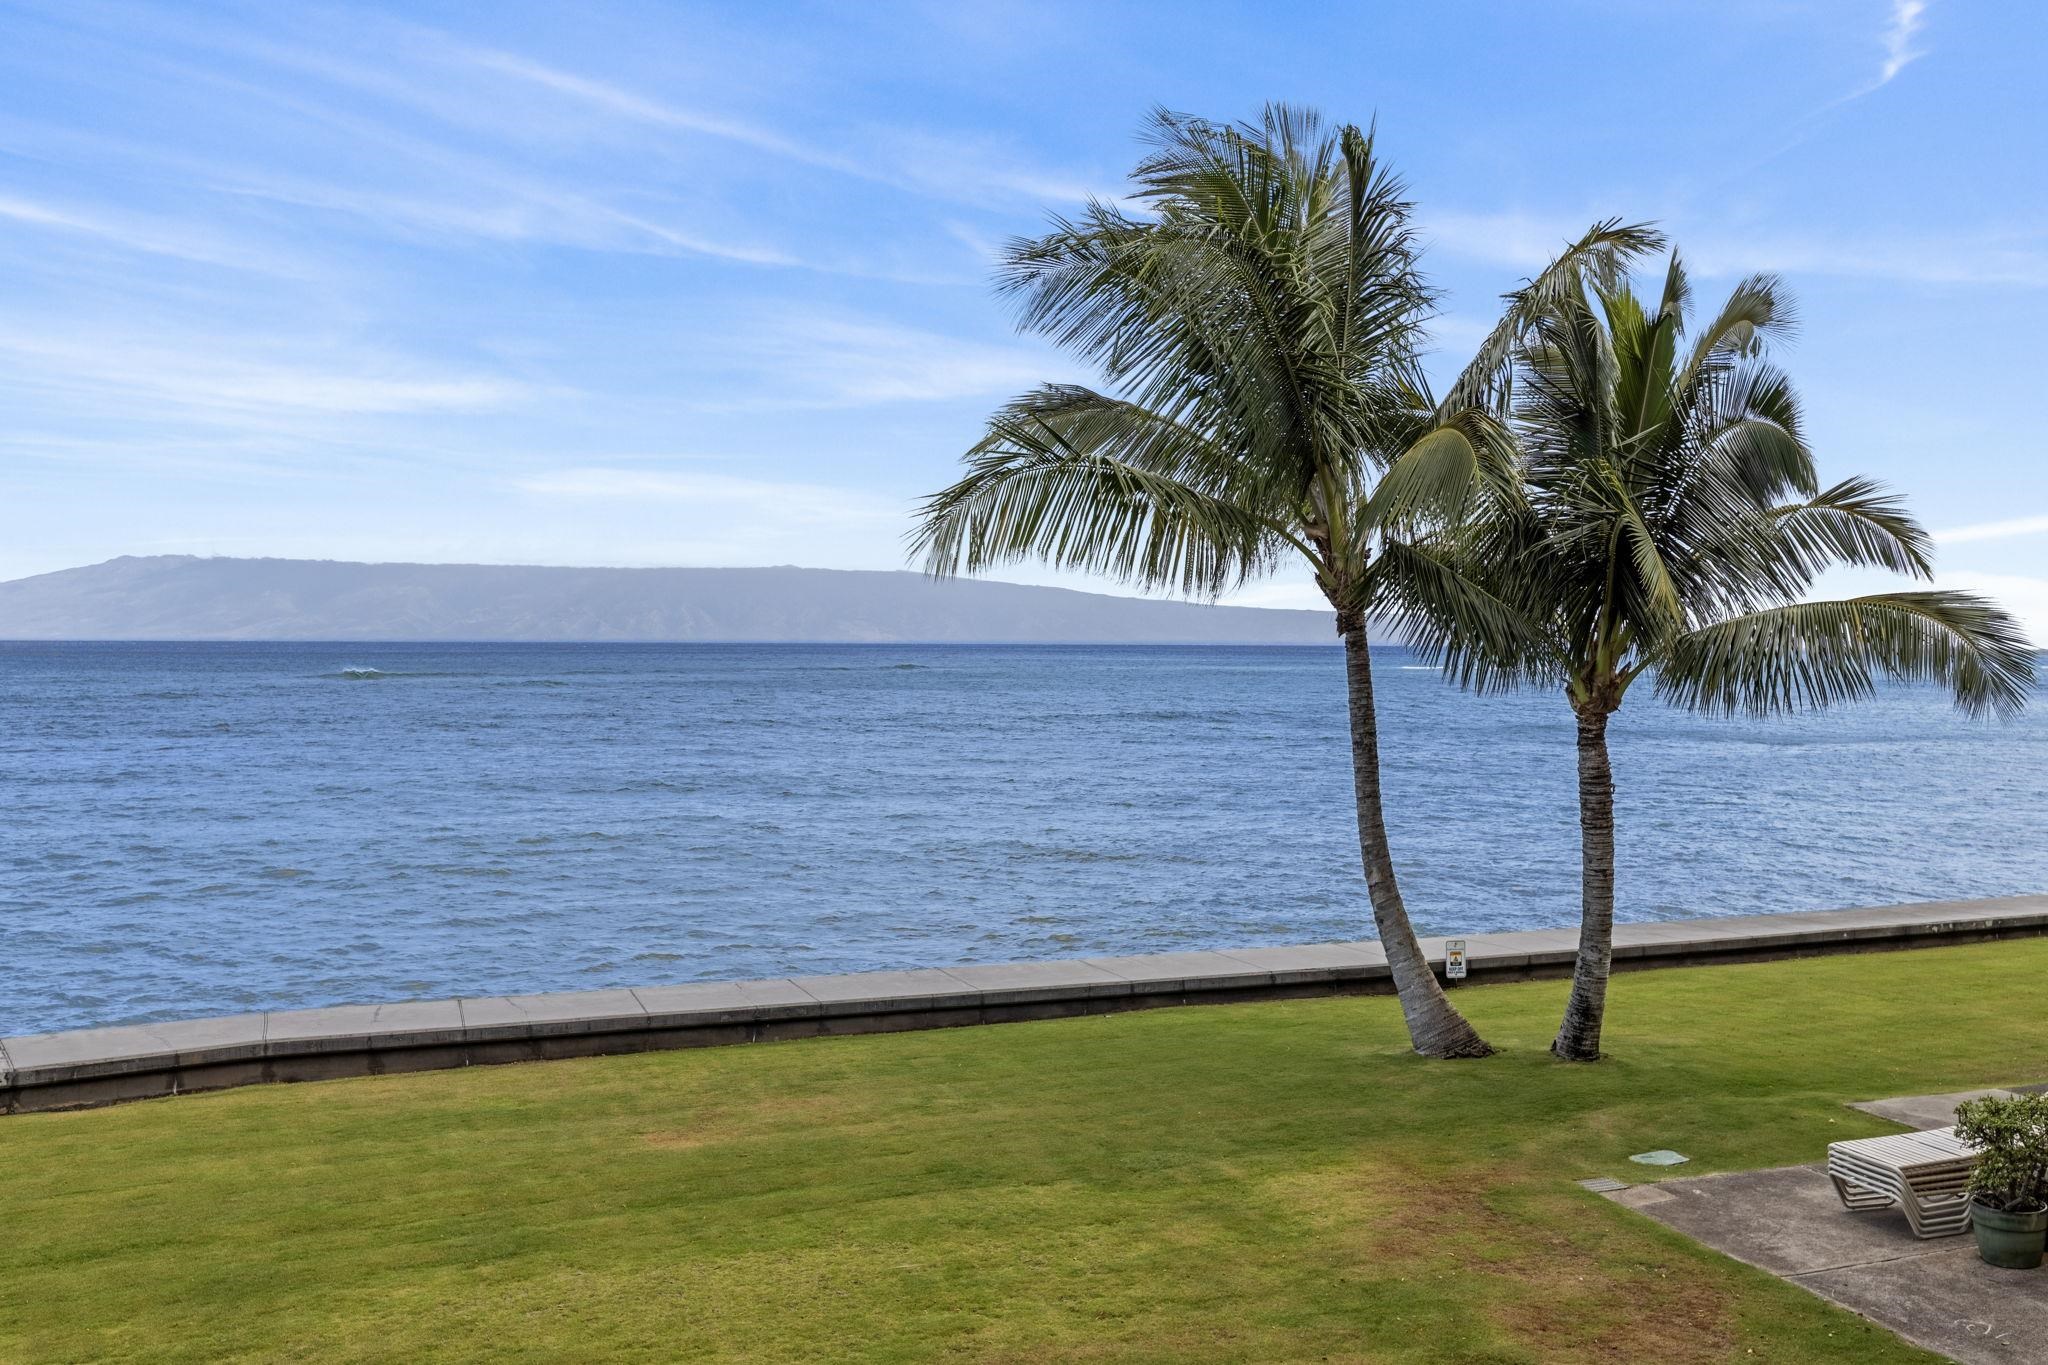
1512 238
825 361
631 515
986 249
968 169
1993 530
1907 18
640 109
505 209
943 166
149 237
805 503
1902 25
233 377
1527 241
423 187
458 195
2024 596
1459 332
32 456
1955 260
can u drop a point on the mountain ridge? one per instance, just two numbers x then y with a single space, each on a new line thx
193 597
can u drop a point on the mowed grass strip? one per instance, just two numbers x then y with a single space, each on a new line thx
1260 1182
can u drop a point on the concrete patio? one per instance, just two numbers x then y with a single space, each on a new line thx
1937 1294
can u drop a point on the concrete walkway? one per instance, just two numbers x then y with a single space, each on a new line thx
1938 1294
101 1066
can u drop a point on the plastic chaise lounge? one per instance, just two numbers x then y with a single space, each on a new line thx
1925 1174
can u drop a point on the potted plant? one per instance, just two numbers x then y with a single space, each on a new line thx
2009 1187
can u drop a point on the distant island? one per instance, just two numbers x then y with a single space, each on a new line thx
186 597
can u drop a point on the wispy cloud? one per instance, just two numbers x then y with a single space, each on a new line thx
1459 333
1993 530
1527 241
465 175
1509 237
1904 22
969 169
112 371
512 208
942 166
688 516
807 503
986 248
1902 26
834 361
154 237
502 208
2026 597
1958 260
1907 17
638 108
422 182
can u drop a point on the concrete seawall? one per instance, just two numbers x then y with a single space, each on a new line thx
89 1067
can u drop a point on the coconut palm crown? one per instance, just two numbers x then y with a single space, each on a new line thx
1669 524
1258 313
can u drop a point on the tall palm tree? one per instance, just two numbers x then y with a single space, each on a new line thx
1261 316
1669 524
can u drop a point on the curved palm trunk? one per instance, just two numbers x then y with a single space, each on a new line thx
1578 1038
1434 1024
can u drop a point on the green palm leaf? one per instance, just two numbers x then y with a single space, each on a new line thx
1257 319
1094 484
1857 521
1452 619
1669 525
1597 258
1820 653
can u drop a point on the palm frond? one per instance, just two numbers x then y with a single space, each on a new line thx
1814 654
1677 297
1426 593
1757 309
1748 428
1644 346
1599 257
1432 479
1084 485
1264 299
1858 521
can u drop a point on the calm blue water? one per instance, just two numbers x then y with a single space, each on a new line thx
201 829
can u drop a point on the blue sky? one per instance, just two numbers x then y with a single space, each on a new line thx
707 284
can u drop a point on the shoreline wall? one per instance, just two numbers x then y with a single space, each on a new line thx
90 1067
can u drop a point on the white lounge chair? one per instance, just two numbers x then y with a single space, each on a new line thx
1926 1174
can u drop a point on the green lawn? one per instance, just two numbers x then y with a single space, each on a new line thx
1259 1182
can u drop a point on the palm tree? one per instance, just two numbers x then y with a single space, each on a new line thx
1668 524
1261 315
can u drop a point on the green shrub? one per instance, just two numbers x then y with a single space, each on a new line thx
2011 1136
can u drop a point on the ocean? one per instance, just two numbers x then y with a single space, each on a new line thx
195 829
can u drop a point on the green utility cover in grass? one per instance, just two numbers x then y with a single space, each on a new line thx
1663 1156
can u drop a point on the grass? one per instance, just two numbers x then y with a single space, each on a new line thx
1260 1183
